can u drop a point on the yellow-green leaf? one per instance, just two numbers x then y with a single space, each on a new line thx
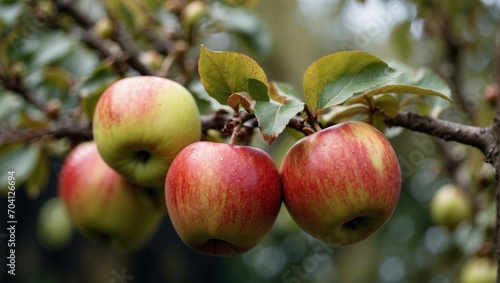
223 73
333 79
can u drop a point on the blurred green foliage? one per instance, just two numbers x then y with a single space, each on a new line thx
50 72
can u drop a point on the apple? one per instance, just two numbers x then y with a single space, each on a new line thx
193 12
222 199
55 230
450 206
104 28
341 184
141 123
479 270
103 205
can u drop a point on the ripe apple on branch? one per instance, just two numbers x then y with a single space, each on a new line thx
144 125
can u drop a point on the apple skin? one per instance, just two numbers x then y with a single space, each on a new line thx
341 184
450 206
141 123
479 270
222 199
103 205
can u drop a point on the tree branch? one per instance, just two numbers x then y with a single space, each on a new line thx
76 130
495 157
130 50
121 37
17 86
478 137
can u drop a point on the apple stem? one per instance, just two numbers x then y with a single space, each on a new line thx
312 119
236 124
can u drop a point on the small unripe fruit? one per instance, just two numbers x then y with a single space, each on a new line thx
54 225
104 28
479 270
450 206
193 12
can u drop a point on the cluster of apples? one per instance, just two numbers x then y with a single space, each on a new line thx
340 184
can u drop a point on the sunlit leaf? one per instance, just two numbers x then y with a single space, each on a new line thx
333 79
225 73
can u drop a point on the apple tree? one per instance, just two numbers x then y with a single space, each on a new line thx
118 114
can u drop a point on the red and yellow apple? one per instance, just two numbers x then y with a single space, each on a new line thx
341 184
141 123
103 205
222 199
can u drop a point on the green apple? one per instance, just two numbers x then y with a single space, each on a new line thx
222 199
141 123
341 184
103 205
54 225
193 12
450 206
104 28
479 270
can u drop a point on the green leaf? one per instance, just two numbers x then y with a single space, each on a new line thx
258 90
342 113
388 104
247 26
10 13
9 104
93 86
333 79
273 116
52 47
40 177
405 89
282 89
225 73
21 158
206 104
129 12
427 84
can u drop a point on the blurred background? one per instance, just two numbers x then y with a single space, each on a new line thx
456 39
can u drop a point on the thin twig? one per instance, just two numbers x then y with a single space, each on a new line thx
77 130
17 86
120 36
